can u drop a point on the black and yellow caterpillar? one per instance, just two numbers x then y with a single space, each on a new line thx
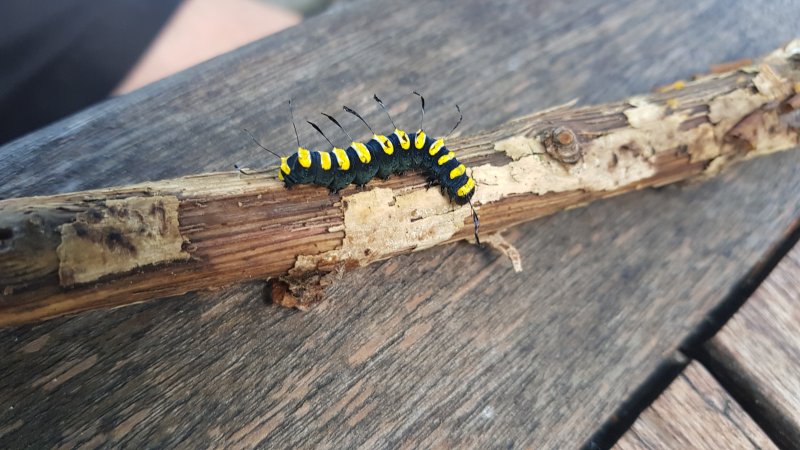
381 156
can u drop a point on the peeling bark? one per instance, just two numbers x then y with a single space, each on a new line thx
117 236
116 246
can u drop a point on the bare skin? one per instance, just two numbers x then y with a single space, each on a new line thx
202 29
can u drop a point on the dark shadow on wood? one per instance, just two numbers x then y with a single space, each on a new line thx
759 407
756 406
641 398
719 315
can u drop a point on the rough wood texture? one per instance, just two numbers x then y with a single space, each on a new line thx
694 412
447 346
758 351
115 246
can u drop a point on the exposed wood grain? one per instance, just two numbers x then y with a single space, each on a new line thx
758 350
107 247
694 412
534 360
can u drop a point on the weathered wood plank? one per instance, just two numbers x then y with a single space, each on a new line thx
694 412
107 247
442 347
758 351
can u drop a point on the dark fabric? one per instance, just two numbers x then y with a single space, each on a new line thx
59 56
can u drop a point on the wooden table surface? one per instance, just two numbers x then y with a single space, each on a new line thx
447 346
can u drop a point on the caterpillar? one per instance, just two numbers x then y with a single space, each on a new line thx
380 157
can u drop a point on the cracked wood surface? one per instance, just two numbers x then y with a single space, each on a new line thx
448 346
694 412
125 245
757 353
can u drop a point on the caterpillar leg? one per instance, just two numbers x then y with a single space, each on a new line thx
431 181
476 222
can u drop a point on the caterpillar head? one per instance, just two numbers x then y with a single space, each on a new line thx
296 169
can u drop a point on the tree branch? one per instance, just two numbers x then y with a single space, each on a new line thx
110 247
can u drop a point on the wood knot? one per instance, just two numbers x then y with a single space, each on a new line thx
562 144
793 50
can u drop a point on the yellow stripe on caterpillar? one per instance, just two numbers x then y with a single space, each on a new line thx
361 150
444 158
284 168
325 160
435 147
304 157
405 142
341 158
419 141
458 171
466 188
388 148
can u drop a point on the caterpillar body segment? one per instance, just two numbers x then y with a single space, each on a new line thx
359 163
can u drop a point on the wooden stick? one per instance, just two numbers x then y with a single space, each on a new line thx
110 247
